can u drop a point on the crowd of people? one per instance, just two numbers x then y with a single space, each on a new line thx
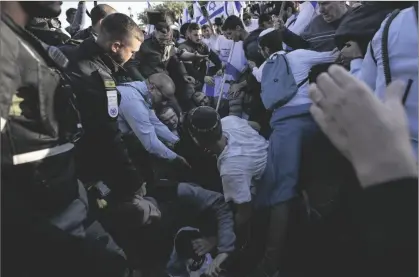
282 142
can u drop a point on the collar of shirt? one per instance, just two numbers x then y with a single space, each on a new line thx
93 51
282 52
142 88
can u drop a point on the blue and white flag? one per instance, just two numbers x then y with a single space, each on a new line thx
238 7
197 13
234 67
215 9
234 8
185 16
148 5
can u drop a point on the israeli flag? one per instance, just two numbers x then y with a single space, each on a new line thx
234 8
197 13
234 67
215 9
314 3
185 16
238 6
148 5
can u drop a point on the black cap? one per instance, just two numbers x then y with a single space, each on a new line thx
204 125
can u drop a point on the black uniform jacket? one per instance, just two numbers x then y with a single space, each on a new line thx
102 154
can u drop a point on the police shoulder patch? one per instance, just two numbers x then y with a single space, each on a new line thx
112 96
109 84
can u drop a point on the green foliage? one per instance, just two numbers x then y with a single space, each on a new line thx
176 8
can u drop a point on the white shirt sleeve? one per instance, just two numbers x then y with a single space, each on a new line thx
314 58
304 18
236 188
257 72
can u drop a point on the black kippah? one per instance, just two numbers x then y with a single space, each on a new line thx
204 124
203 119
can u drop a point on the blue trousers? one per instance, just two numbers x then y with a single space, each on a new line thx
291 126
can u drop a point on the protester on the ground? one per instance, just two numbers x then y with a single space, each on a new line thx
201 99
167 115
45 206
190 205
183 260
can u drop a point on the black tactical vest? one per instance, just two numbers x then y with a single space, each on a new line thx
39 122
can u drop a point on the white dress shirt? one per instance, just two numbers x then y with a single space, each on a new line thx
254 24
304 17
300 62
135 114
212 42
243 160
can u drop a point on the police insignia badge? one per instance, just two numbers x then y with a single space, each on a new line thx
112 103
111 93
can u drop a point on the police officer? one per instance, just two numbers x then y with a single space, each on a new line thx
44 208
94 68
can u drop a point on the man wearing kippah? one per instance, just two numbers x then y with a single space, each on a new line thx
241 155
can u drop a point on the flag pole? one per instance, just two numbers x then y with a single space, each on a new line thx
220 95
